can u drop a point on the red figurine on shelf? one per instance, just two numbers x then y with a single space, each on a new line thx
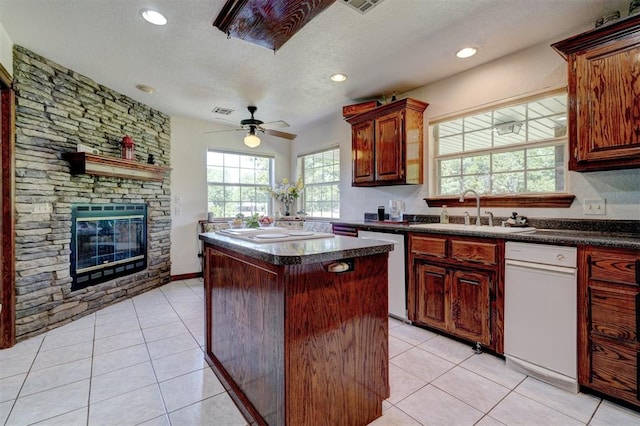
127 148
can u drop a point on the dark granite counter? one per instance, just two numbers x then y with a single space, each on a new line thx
302 251
616 234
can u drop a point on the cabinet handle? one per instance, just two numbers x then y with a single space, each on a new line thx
638 271
337 267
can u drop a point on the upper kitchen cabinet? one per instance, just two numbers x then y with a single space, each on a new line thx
387 144
604 96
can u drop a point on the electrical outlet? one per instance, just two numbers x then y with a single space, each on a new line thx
594 206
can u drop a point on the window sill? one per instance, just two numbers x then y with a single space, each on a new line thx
562 201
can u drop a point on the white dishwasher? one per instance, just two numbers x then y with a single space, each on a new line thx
397 285
540 312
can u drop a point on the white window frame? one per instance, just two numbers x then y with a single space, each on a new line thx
335 213
434 159
258 187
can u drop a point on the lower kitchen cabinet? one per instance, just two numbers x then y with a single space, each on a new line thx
609 322
470 308
432 300
455 286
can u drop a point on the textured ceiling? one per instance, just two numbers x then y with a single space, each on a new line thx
397 46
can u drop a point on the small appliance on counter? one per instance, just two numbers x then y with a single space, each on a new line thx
396 208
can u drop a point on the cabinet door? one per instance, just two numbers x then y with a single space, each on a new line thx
389 147
362 152
614 368
432 300
470 305
607 106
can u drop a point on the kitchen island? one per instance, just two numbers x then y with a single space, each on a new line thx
297 331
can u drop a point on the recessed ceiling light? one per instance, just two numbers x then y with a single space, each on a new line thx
467 52
338 77
146 89
153 17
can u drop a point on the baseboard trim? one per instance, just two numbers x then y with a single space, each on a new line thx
186 276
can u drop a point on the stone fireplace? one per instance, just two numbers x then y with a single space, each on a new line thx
57 109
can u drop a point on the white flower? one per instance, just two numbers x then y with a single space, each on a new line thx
286 192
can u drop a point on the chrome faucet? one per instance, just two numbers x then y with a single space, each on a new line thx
478 223
488 213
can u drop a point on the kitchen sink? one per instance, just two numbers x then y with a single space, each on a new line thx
474 228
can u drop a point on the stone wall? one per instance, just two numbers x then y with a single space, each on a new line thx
56 109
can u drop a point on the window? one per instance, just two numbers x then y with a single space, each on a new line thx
321 176
236 182
514 149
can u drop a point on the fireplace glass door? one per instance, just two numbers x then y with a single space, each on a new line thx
107 243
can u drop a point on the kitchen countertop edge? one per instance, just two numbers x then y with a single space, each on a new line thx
540 236
300 252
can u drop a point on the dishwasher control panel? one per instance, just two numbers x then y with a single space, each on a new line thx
541 253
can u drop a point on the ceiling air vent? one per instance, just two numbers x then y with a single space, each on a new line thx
362 6
222 111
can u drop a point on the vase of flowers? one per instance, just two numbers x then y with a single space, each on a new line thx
287 193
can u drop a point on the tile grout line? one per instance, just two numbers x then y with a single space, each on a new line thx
15 400
93 349
146 345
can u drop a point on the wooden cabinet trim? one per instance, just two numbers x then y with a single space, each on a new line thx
387 144
525 200
604 120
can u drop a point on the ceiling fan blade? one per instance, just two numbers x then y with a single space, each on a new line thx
275 124
228 130
280 134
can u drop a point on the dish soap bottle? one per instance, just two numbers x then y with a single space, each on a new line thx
444 215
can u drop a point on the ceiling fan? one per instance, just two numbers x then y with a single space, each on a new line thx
253 125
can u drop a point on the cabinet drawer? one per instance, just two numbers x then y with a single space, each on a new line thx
614 313
346 230
614 369
614 267
429 246
474 251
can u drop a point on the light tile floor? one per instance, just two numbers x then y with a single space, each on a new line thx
140 362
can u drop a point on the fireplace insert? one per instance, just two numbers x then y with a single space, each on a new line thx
107 241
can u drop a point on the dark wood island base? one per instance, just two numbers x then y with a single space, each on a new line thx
295 344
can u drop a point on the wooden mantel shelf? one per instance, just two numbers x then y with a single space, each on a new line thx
91 164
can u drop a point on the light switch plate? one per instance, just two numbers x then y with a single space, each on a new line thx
596 206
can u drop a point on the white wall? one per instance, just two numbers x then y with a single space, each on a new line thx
189 145
525 72
6 50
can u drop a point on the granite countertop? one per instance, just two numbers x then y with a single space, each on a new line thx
605 236
301 251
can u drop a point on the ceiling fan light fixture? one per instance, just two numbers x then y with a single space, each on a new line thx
153 17
466 52
338 77
252 140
